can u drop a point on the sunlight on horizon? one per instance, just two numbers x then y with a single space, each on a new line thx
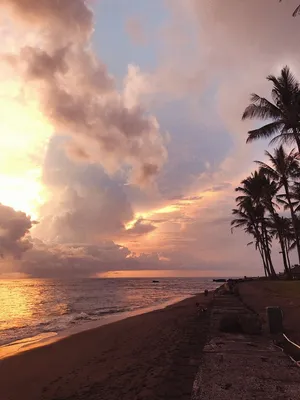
23 146
185 273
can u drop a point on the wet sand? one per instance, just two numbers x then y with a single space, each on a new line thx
43 339
151 356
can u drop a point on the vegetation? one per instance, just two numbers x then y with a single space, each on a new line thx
296 12
268 202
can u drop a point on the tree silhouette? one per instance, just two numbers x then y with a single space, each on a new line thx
282 114
284 169
296 12
251 214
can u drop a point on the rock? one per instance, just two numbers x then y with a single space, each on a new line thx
230 323
250 324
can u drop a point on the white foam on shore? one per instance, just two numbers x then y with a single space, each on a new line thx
44 339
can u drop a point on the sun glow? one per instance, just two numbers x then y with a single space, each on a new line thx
188 204
23 142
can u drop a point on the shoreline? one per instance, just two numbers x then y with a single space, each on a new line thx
43 339
141 357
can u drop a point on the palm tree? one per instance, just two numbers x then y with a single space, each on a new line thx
295 194
263 190
282 116
286 228
284 168
252 217
296 12
281 230
247 217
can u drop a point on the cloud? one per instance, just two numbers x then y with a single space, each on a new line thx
140 227
240 45
85 206
75 92
54 14
48 260
14 229
186 198
211 56
58 260
135 30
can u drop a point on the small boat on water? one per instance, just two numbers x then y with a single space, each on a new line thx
220 280
154 281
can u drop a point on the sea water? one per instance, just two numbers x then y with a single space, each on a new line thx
42 307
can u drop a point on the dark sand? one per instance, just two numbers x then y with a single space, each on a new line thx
286 294
151 356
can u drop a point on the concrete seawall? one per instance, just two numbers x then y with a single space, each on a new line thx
242 366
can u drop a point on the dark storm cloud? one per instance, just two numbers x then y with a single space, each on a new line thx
82 260
14 227
141 227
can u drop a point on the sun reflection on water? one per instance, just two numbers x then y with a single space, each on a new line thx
21 304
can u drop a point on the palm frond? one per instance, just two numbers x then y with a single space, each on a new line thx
267 170
265 132
297 11
287 138
261 108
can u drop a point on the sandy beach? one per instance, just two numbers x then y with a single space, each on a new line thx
151 356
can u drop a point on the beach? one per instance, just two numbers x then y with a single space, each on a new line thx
151 356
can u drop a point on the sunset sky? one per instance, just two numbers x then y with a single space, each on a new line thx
121 132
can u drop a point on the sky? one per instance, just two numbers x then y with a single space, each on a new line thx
121 132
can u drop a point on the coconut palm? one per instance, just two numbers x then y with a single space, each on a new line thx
296 12
246 217
263 191
281 229
269 190
283 169
287 232
282 115
251 212
295 195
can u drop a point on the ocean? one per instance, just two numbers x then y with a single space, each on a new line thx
40 308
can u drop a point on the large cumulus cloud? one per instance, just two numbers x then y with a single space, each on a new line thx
214 53
49 260
86 204
76 94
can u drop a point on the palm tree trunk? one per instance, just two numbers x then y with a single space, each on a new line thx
263 250
266 267
294 218
283 252
287 255
268 252
297 138
281 241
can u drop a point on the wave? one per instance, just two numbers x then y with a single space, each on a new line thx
57 324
